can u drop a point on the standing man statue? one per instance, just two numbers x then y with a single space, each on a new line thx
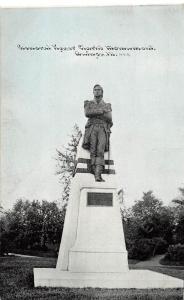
97 130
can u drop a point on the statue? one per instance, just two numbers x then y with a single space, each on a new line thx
97 130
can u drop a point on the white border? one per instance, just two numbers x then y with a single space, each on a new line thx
79 3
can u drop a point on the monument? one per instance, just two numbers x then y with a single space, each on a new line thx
92 251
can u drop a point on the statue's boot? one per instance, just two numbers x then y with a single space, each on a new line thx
98 172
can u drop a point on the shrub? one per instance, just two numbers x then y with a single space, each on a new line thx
175 253
145 248
6 244
140 249
160 245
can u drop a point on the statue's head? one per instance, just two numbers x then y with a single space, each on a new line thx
98 91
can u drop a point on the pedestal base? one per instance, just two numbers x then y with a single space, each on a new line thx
98 262
137 279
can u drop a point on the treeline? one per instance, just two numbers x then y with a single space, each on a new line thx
31 225
150 228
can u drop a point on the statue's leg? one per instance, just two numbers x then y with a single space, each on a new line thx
93 147
100 162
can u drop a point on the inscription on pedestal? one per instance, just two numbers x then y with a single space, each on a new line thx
99 199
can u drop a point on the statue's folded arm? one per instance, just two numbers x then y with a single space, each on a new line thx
92 111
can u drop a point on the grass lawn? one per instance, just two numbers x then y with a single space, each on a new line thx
49 253
166 262
16 282
174 271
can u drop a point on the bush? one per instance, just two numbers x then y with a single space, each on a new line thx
160 245
140 249
6 244
175 253
145 248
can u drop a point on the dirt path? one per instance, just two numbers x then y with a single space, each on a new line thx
153 262
23 255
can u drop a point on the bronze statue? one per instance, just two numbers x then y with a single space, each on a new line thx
97 130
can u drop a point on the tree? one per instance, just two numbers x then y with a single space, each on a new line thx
179 230
3 235
179 217
66 162
1 209
52 223
18 223
155 219
32 225
179 200
149 224
147 206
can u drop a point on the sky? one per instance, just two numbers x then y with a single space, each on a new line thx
42 96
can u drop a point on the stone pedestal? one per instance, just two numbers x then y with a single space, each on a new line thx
92 251
93 238
99 244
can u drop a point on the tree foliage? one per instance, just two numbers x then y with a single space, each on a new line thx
32 225
175 253
179 217
66 162
180 200
147 206
149 224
